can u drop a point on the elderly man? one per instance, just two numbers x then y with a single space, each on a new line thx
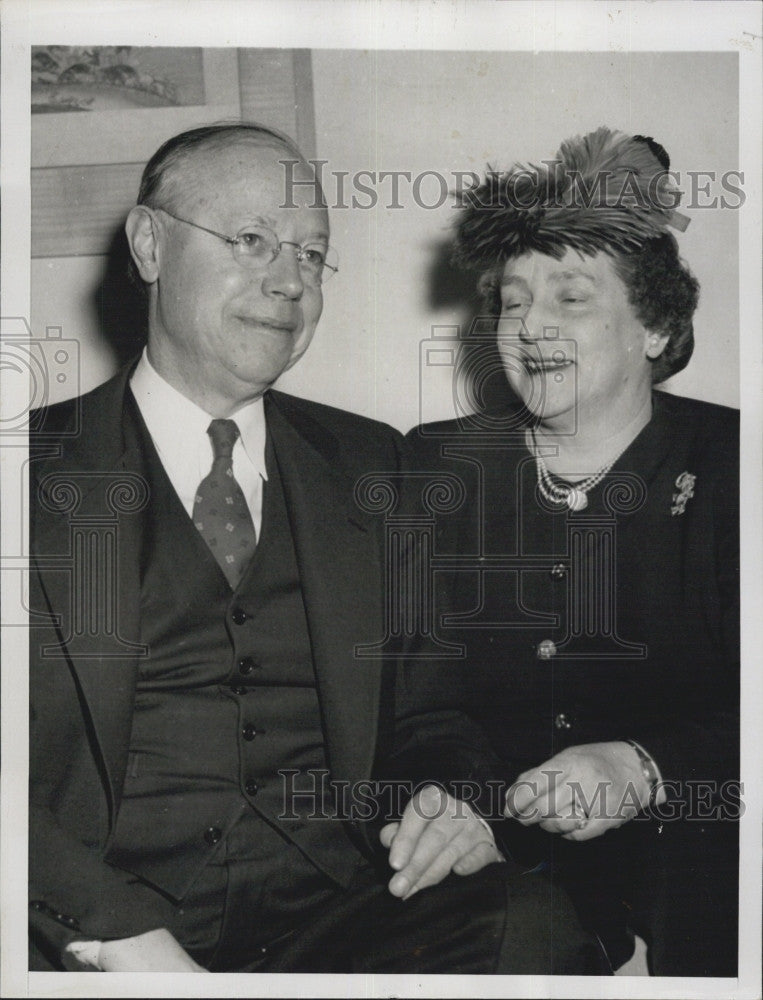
202 663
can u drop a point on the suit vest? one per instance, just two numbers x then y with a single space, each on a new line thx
226 700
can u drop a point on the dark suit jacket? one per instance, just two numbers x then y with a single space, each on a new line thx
676 581
675 577
83 672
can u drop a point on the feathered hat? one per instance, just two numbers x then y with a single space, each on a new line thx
602 191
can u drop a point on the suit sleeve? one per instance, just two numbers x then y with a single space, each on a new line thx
701 744
433 738
74 895
73 892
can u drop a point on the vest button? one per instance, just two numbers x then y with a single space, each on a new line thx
239 616
213 835
246 665
249 731
238 689
251 788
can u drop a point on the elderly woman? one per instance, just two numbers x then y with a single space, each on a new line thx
596 583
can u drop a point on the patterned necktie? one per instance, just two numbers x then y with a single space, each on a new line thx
220 511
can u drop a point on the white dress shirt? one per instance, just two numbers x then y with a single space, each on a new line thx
178 429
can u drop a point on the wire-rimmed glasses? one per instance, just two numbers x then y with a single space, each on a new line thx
257 246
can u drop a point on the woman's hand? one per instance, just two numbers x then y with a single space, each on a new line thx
581 792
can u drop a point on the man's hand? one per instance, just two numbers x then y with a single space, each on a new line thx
581 792
155 951
437 834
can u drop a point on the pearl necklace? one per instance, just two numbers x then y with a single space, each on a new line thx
574 496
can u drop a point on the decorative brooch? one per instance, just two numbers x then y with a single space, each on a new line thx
685 484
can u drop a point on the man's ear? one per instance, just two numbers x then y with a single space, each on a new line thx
142 236
655 344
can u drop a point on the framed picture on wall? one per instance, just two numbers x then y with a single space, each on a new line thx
99 112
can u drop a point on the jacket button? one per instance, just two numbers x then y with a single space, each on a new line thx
246 665
251 788
37 904
239 616
563 721
249 731
546 649
213 835
558 571
238 689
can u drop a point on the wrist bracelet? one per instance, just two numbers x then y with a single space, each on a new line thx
648 769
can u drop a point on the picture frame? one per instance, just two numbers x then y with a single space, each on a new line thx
83 186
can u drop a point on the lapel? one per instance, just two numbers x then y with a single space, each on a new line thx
338 554
102 656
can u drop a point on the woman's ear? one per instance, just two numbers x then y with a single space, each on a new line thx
655 344
142 237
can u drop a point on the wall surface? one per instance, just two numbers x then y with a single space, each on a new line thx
443 112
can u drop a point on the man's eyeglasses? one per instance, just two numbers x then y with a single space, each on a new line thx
258 246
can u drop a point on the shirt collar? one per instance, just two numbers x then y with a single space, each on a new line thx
178 426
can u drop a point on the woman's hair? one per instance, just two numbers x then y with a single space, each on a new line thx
605 192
